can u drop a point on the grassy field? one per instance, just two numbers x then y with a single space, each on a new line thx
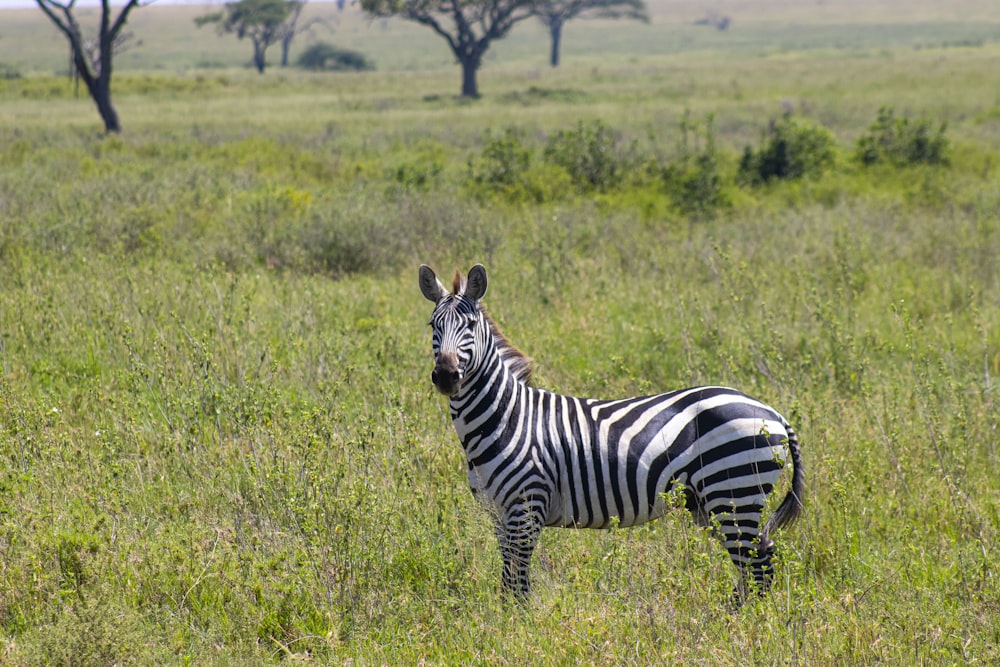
219 443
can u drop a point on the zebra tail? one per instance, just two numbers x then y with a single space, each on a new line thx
791 506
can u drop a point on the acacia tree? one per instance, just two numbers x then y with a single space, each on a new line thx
554 13
93 61
291 27
474 25
263 21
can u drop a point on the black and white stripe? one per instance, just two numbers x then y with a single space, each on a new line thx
537 458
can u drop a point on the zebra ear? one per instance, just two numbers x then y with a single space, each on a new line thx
430 286
476 284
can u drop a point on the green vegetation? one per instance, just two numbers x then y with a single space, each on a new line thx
792 149
592 156
901 142
325 56
219 443
693 180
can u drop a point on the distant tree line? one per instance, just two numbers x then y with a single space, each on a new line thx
468 26
264 23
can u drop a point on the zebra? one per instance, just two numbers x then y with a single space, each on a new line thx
537 458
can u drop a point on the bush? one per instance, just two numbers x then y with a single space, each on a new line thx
792 148
419 169
592 155
9 71
900 142
325 56
694 180
507 168
503 160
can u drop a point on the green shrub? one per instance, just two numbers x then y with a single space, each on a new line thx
592 155
503 160
8 71
900 141
543 182
507 168
420 169
325 56
693 181
792 148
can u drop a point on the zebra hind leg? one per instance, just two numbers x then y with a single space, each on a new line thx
749 554
756 572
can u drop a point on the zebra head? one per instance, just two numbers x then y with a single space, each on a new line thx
458 326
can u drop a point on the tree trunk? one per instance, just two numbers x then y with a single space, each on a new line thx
99 88
289 30
286 46
555 29
470 64
258 56
102 84
102 97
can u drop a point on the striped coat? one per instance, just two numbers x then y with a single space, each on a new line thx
537 458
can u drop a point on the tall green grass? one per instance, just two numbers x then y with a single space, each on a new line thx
218 439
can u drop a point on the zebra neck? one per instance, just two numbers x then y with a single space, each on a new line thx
481 410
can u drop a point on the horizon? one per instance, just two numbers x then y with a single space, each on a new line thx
28 4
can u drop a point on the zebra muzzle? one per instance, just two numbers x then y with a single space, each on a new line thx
446 376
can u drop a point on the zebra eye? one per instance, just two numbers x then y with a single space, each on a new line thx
471 324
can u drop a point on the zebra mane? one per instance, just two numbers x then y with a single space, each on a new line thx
517 362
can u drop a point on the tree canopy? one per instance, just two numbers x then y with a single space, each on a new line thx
469 26
263 21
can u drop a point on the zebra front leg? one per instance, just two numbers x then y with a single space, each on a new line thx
517 534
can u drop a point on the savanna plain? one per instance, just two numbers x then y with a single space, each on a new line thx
219 443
